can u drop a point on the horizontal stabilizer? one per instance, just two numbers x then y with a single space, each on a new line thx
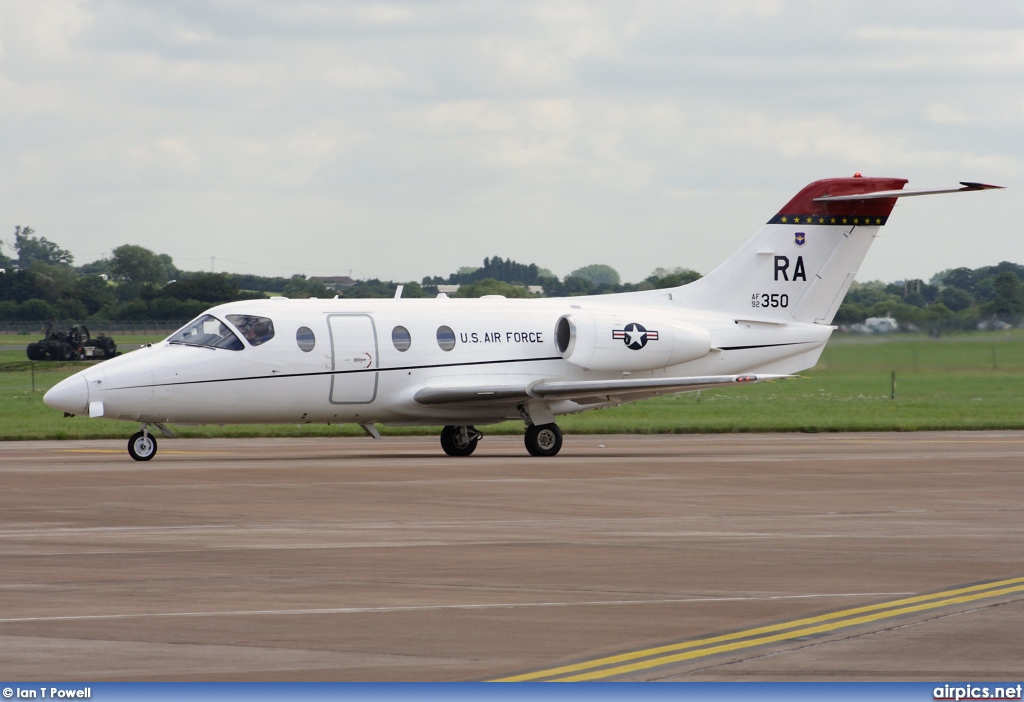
579 389
881 194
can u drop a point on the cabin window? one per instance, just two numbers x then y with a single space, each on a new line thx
207 331
256 330
401 339
445 338
305 338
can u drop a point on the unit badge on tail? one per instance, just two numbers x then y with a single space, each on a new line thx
635 336
800 238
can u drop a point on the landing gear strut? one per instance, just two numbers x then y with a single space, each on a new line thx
142 445
460 441
543 439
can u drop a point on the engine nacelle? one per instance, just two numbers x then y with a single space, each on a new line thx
628 342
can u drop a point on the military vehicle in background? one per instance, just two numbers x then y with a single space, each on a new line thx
71 345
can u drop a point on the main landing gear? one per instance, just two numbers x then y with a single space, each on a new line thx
541 439
460 441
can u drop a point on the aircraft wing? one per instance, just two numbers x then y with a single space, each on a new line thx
584 391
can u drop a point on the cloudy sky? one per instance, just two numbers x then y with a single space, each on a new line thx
399 140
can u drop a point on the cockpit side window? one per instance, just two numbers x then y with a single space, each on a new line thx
207 331
256 330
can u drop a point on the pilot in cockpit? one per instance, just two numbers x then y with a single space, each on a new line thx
256 330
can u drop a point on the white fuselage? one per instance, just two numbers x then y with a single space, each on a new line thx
354 372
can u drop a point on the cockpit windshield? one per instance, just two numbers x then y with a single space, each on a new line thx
207 331
256 330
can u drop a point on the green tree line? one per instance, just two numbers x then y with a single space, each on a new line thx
41 282
957 298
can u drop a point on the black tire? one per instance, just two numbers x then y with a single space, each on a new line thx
66 352
78 336
142 447
543 439
35 353
109 347
453 444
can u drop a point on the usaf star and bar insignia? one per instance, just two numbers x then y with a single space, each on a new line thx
829 220
635 336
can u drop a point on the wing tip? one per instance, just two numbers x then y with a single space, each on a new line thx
968 185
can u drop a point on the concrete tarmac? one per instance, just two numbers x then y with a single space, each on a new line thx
354 559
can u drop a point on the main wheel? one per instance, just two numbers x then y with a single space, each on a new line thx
455 443
543 439
35 353
142 447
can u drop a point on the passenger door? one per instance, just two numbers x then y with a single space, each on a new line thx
354 345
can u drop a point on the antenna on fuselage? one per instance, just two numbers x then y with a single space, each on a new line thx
398 291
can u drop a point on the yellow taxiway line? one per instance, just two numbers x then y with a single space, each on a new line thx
190 453
644 659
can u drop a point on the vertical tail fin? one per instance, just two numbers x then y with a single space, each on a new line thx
802 262
799 266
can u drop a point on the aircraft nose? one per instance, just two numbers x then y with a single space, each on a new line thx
70 395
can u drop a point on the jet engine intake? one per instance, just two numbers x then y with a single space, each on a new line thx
624 343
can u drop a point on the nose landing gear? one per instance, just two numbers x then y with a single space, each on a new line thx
142 445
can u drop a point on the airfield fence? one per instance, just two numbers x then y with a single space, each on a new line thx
105 326
976 351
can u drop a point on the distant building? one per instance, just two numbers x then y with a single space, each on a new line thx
334 282
448 288
535 289
993 324
881 325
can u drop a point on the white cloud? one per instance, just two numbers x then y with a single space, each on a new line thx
43 29
365 75
954 49
449 131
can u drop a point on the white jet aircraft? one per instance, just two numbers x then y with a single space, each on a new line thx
763 314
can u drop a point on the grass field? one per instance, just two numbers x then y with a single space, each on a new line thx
969 381
24 340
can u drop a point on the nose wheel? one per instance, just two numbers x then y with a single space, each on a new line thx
543 439
142 446
460 441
